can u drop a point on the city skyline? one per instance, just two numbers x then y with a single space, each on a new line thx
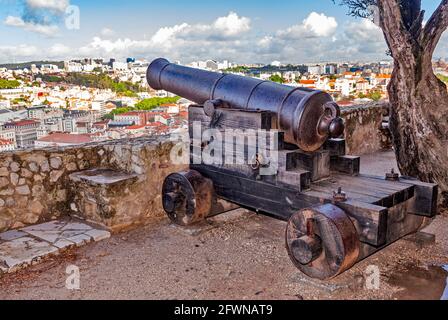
253 32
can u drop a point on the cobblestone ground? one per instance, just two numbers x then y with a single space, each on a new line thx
239 255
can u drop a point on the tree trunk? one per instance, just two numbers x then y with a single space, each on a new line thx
419 100
419 125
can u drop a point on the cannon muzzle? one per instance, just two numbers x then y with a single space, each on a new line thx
308 117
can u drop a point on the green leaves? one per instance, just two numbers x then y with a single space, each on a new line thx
277 78
9 84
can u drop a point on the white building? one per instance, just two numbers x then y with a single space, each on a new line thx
49 68
71 66
317 69
6 145
120 66
5 104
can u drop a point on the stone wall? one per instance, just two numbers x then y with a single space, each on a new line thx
364 132
35 185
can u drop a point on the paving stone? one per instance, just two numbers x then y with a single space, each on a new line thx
29 245
76 226
48 226
80 239
11 235
63 244
21 252
70 234
49 236
98 235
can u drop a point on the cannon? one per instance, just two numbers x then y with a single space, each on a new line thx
283 154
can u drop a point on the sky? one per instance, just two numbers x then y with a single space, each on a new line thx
244 31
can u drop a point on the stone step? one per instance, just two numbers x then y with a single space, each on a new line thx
107 197
30 245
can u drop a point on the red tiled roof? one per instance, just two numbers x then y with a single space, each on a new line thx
135 127
66 138
307 81
21 123
4 142
155 124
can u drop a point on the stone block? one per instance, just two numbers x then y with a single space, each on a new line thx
12 235
56 163
14 166
21 252
98 235
23 190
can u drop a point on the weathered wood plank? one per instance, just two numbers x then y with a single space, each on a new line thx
317 163
346 164
389 196
296 179
336 147
425 200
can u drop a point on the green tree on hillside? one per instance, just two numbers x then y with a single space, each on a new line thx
277 78
9 84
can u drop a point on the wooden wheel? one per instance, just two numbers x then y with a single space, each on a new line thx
322 241
187 197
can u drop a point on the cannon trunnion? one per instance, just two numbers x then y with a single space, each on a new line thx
277 150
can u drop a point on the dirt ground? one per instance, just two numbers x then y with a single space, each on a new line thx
239 255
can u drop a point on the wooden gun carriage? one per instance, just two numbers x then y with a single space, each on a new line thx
300 173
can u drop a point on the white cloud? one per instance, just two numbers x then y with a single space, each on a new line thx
107 32
179 41
54 5
320 24
59 50
314 26
317 38
232 24
166 34
17 53
47 30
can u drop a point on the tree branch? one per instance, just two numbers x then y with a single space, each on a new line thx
435 27
398 38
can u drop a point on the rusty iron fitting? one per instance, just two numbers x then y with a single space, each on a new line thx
392 175
339 196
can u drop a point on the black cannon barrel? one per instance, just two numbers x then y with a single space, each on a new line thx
308 117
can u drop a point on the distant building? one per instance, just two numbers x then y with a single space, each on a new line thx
170 108
8 134
315 70
6 145
120 66
100 126
7 115
36 113
5 104
60 139
136 130
135 117
99 106
25 131
71 66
